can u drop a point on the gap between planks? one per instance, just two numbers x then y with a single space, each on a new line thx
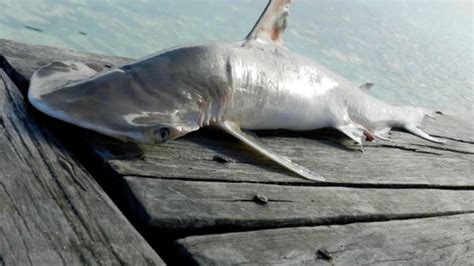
315 184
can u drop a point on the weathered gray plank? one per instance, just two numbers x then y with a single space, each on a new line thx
381 164
51 211
431 241
407 161
194 206
450 128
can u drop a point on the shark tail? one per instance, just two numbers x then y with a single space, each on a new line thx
412 121
408 118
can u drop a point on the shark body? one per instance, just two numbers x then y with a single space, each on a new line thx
254 84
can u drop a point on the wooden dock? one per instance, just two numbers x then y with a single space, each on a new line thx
70 196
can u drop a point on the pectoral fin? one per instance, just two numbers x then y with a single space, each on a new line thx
233 129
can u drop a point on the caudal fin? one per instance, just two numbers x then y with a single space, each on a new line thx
413 120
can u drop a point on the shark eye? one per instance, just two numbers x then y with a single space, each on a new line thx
162 134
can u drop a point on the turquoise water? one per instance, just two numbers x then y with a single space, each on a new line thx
416 52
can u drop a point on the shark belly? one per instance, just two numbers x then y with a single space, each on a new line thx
278 111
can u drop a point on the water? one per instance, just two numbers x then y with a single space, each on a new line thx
416 52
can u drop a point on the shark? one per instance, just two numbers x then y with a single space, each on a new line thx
254 84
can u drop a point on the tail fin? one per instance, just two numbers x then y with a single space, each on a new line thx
413 120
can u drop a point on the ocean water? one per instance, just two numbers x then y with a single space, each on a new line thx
416 52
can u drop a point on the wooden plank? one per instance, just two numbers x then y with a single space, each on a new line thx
450 126
431 241
172 206
385 164
51 211
405 162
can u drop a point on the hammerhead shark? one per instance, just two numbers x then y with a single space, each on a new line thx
254 84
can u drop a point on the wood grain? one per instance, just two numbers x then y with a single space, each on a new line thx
430 241
52 212
406 161
203 207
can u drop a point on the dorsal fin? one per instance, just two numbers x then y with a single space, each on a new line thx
366 86
272 22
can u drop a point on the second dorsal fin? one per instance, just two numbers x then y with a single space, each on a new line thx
272 23
366 86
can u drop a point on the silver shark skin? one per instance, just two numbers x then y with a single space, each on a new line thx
255 84
275 88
